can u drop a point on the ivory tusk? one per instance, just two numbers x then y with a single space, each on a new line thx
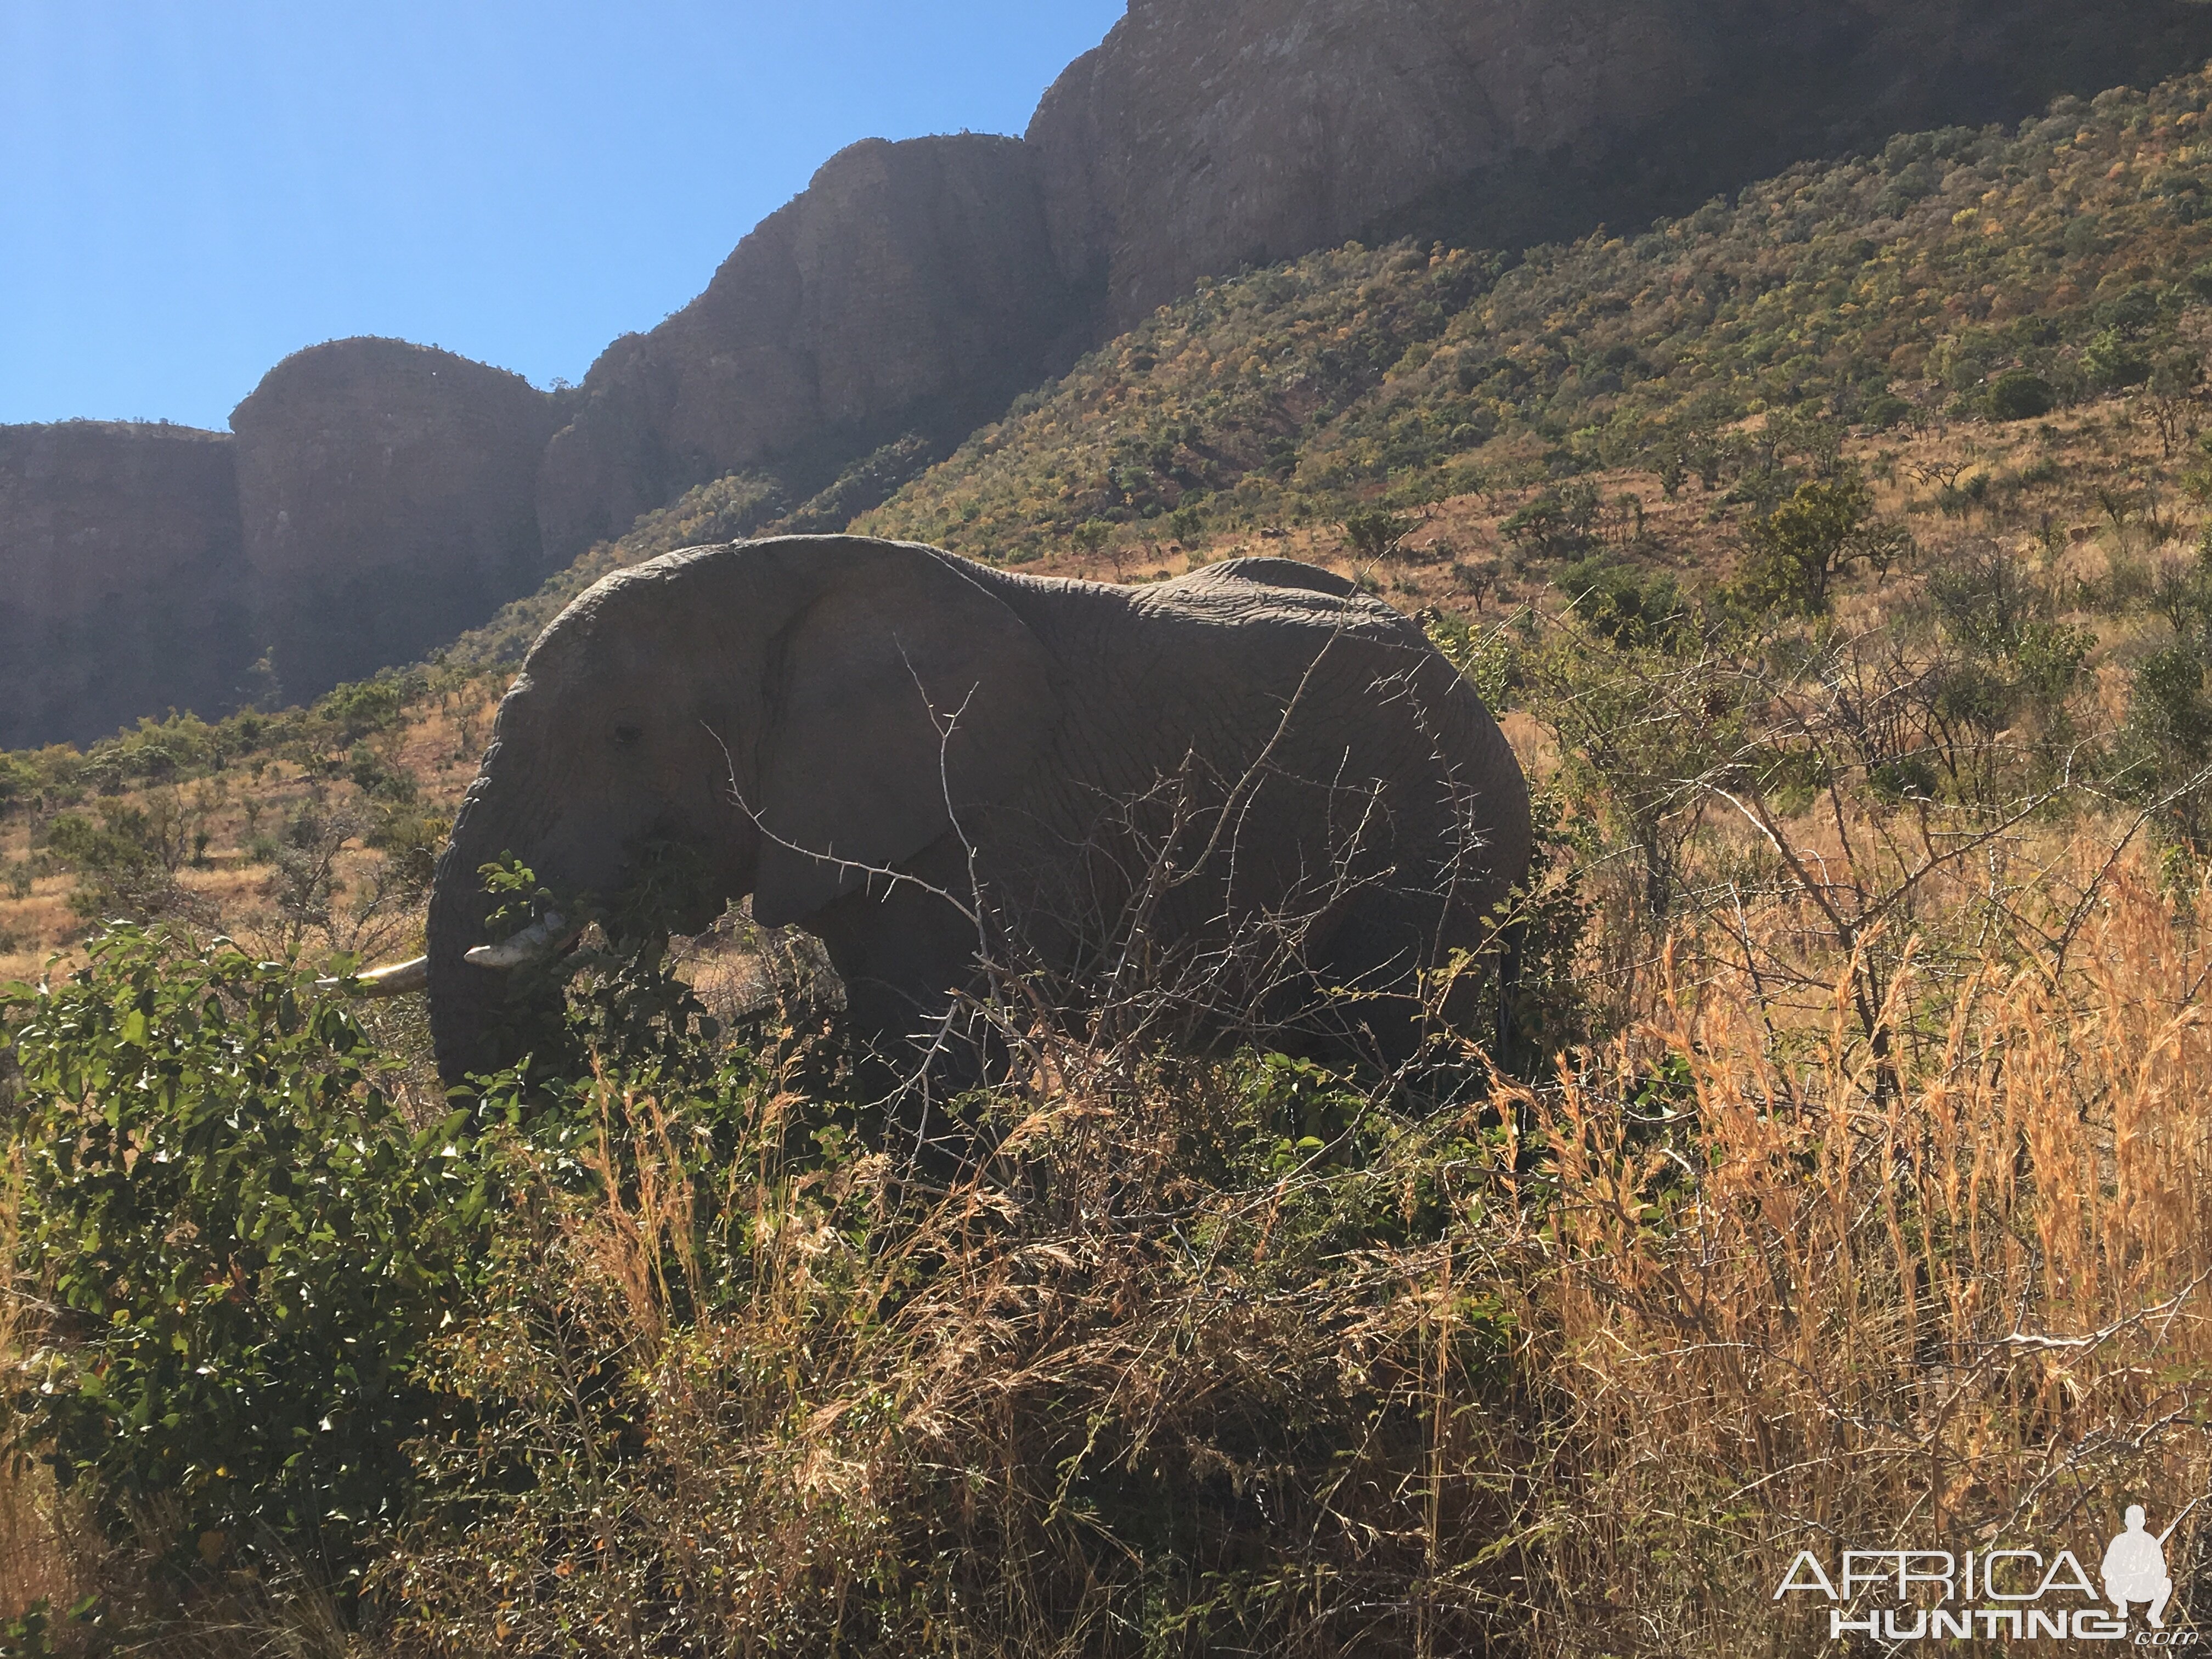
541 939
395 981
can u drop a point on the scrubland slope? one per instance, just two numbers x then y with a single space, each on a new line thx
1839 558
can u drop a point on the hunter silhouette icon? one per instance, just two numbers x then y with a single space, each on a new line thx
2135 1569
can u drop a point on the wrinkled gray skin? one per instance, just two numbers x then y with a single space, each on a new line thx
782 707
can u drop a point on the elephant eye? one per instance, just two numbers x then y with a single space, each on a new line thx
628 735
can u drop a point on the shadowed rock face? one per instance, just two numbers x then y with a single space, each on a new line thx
387 493
1203 137
388 496
122 588
911 287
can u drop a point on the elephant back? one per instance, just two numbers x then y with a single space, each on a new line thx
1325 727
1263 571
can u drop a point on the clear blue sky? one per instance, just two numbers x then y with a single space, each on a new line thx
190 189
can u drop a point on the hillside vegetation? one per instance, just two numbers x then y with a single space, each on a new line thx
1895 288
2048 266
1839 560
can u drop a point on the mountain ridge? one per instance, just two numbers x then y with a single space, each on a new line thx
914 287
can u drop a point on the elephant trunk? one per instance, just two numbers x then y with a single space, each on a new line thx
469 997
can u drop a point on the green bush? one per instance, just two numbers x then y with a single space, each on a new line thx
119 846
1627 604
1887 410
376 776
1375 533
1556 523
2018 395
128 859
2113 362
243 1244
1797 551
1486 656
369 705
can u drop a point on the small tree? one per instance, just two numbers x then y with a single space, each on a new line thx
1375 532
2171 399
305 883
2112 362
1557 523
128 857
1644 732
1799 549
1091 538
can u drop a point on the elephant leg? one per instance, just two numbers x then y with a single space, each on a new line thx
1369 1002
1380 950
907 956
1514 936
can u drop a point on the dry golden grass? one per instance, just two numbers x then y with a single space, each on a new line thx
438 746
1732 1289
1965 1310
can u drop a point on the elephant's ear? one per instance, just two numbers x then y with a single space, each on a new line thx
906 692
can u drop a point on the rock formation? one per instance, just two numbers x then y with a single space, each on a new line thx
911 287
392 495
1199 138
122 588
387 493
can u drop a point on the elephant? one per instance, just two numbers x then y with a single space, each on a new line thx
933 764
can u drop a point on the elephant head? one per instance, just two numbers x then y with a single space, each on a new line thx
801 714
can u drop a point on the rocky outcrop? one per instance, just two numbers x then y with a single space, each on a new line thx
389 496
1201 137
913 287
910 288
387 493
122 577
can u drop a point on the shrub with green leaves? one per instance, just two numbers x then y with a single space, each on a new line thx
119 857
1629 606
1797 551
242 1244
1556 523
1375 533
2018 395
2013 664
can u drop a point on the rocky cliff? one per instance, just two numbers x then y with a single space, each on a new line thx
387 494
910 288
122 577
1199 138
